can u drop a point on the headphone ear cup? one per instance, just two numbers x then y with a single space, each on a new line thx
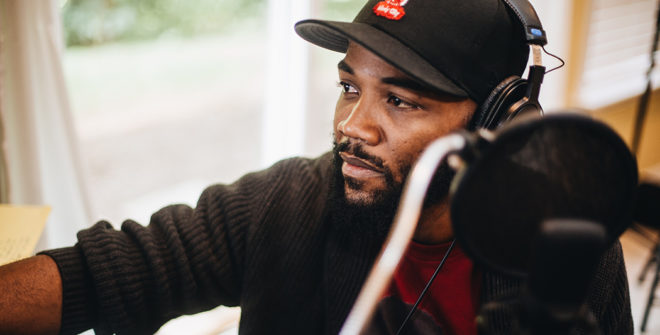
498 102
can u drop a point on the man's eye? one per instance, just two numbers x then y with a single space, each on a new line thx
397 102
346 87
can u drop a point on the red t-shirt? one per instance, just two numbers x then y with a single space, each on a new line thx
449 307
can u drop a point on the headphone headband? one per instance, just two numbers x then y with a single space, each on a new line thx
525 12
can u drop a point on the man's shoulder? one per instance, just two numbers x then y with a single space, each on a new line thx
299 170
322 162
290 177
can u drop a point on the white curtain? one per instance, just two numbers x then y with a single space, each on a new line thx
39 142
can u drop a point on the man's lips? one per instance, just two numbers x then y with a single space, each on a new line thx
358 168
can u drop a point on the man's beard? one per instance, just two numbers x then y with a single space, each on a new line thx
376 215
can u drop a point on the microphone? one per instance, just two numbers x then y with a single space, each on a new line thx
563 165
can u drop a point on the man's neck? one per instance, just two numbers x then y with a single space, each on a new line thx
434 224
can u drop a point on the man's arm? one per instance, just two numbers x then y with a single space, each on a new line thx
30 297
185 261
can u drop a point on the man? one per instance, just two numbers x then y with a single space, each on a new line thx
293 244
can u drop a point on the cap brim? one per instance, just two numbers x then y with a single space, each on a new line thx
335 35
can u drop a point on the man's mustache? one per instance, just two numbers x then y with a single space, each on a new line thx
358 151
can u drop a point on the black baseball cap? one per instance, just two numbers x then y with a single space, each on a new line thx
463 48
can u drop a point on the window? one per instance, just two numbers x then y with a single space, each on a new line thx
170 96
616 51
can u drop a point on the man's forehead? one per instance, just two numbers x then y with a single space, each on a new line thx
360 58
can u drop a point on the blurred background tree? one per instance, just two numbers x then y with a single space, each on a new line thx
92 22
89 22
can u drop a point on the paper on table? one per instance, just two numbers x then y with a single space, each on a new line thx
20 228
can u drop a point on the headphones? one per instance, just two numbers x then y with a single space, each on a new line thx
515 96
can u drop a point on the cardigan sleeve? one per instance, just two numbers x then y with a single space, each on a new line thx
133 280
609 297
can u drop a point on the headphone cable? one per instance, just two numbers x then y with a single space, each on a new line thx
426 288
555 57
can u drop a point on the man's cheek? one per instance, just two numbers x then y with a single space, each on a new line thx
401 169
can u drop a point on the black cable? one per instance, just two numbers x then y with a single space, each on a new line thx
556 57
646 96
426 288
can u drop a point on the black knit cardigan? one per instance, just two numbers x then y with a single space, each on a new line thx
265 243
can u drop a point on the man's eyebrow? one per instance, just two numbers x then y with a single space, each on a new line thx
406 83
343 66
395 81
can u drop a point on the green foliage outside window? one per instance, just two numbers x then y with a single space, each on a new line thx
92 22
88 22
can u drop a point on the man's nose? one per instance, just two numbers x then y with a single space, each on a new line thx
361 124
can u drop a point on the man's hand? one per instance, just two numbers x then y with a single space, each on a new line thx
30 297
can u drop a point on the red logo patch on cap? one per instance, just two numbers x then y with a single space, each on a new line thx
391 9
